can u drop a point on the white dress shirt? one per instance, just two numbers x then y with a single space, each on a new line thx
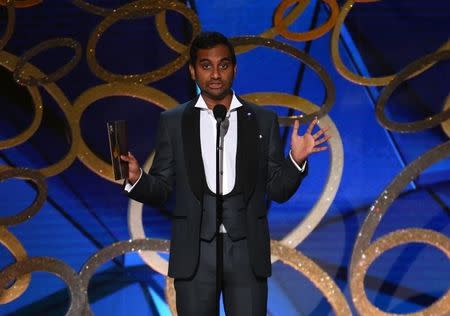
208 134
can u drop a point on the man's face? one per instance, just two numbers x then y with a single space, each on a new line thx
214 72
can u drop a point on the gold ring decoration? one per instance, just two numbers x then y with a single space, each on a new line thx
337 60
54 266
315 274
385 243
330 93
281 27
91 8
11 22
9 63
170 41
376 213
429 122
57 42
21 3
14 246
161 24
10 60
97 10
41 186
152 95
141 7
446 124
318 211
112 251
171 296
298 9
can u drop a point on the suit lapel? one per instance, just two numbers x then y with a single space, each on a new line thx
192 149
247 150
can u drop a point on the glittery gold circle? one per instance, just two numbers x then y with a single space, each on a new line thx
21 3
296 11
446 124
383 244
65 105
403 75
87 98
381 204
41 186
337 60
110 252
281 27
330 93
11 22
318 211
9 63
91 8
315 274
14 246
54 266
170 41
148 8
43 46
171 296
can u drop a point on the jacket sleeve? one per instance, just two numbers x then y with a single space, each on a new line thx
283 177
155 187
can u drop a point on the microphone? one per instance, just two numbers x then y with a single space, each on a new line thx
219 112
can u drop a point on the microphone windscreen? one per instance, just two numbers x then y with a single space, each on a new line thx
219 112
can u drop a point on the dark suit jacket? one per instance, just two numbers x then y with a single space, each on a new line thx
262 172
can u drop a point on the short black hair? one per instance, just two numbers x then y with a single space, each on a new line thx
206 40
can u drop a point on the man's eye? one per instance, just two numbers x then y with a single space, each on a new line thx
206 66
224 66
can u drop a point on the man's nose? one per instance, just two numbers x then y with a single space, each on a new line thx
215 73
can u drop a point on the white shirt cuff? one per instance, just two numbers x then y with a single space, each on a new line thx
302 168
129 187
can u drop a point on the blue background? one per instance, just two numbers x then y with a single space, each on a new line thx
84 212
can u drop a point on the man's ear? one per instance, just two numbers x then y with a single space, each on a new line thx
192 71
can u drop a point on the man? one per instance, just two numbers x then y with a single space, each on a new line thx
254 169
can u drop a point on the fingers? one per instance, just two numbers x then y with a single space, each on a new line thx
322 140
311 126
322 148
128 158
320 132
295 129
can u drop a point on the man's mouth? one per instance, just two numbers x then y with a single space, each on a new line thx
215 85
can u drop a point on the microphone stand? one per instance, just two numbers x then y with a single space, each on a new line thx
219 236
220 112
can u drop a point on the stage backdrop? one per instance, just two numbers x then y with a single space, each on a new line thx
367 232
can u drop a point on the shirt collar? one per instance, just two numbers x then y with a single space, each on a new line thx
235 103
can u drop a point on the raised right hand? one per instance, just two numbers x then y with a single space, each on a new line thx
134 171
